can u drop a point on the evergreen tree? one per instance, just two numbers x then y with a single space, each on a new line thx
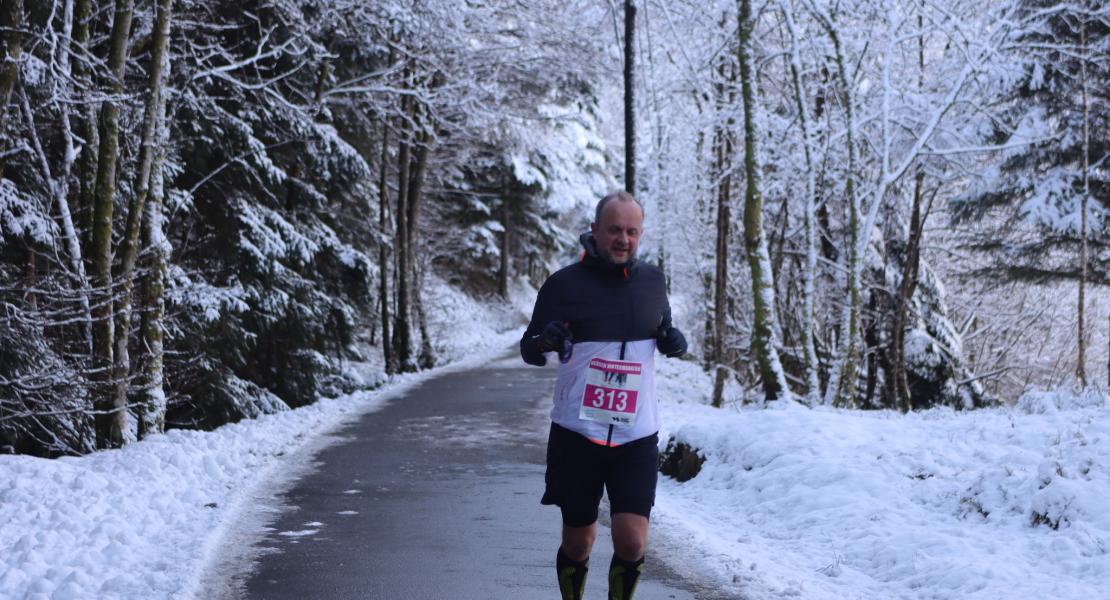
1039 177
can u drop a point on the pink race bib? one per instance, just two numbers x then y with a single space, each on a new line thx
612 391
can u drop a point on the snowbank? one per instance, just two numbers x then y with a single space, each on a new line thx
825 503
142 521
790 502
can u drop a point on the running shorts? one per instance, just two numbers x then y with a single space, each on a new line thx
578 470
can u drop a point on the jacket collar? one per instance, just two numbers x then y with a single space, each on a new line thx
593 259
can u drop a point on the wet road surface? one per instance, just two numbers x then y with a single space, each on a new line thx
436 495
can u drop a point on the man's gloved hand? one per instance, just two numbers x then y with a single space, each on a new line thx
556 337
670 341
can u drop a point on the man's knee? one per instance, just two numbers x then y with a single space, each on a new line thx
630 548
630 536
578 542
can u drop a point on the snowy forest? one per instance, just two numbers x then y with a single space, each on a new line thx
210 209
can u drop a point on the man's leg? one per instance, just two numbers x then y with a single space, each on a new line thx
572 562
576 489
631 484
579 541
630 533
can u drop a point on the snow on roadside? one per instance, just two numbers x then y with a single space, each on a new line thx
829 503
143 521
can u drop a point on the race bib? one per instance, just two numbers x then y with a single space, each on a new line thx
612 392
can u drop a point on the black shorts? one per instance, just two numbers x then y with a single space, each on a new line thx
578 469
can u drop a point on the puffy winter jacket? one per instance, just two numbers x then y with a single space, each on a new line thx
614 312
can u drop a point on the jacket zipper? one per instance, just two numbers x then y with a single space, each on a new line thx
609 438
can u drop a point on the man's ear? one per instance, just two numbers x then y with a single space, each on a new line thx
593 228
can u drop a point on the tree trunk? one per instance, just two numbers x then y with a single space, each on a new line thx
1081 358
427 358
720 281
150 144
902 298
724 147
764 338
128 250
402 330
809 272
906 287
111 420
11 53
61 184
629 97
503 273
383 250
416 184
152 403
842 377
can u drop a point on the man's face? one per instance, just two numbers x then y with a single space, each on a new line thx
618 232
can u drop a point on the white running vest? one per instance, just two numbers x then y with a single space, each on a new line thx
570 388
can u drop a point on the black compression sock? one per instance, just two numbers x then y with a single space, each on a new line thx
623 576
572 575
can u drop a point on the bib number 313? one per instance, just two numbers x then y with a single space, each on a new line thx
612 392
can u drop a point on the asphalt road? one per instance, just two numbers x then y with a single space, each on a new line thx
434 496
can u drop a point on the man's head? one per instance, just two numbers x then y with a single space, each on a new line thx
618 224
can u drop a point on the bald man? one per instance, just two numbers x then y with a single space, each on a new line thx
605 316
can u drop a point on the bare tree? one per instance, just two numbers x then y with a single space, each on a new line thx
111 417
630 96
764 334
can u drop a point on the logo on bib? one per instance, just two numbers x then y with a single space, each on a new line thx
612 392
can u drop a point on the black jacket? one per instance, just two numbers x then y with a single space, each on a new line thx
600 301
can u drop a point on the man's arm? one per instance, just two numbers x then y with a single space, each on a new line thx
668 339
542 314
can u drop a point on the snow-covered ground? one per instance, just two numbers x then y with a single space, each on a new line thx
825 503
791 502
142 522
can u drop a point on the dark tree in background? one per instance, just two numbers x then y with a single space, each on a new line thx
630 96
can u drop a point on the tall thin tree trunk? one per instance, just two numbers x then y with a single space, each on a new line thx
809 273
153 113
724 148
111 420
1081 358
720 281
152 397
402 329
128 250
61 184
383 250
416 185
842 376
152 406
629 97
908 284
764 337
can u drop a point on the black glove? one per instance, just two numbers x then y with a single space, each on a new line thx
670 341
553 336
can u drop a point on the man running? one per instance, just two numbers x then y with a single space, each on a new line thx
605 316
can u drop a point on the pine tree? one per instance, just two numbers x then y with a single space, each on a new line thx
1056 127
1039 177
